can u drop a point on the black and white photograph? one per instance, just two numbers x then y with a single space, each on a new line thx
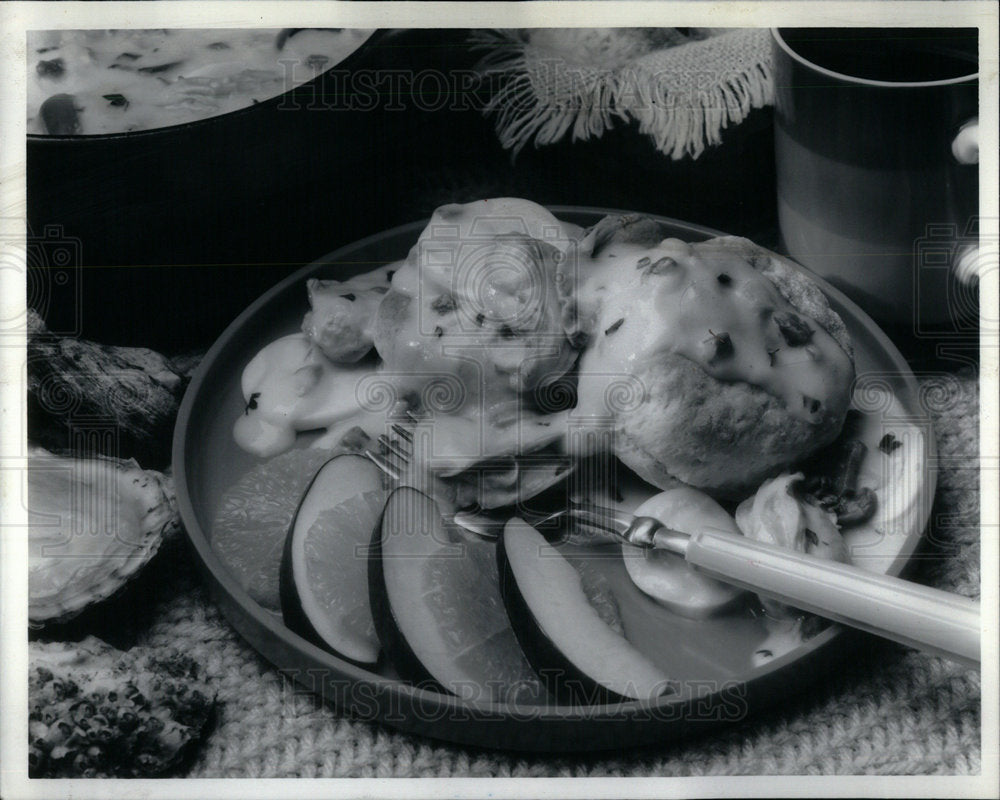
522 399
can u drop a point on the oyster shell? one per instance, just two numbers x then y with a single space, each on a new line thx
93 523
98 712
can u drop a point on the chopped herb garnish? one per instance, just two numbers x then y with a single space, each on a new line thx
771 354
438 331
507 332
658 267
349 296
52 68
251 404
218 46
723 345
724 279
117 100
480 318
661 265
850 467
793 328
159 68
129 56
764 652
811 538
443 303
889 443
614 326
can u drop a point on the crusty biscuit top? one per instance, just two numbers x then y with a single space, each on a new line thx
739 312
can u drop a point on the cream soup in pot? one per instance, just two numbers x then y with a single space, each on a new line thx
116 81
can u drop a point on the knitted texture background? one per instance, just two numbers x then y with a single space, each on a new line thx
683 89
888 711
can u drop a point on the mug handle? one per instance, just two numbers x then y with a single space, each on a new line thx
965 149
965 145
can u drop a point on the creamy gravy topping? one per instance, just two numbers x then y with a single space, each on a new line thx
709 305
129 80
289 386
456 253
470 322
475 300
702 302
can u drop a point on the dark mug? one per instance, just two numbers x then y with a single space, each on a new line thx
876 144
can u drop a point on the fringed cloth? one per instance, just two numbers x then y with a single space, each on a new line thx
682 86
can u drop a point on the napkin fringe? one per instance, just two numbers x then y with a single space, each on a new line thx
522 112
681 122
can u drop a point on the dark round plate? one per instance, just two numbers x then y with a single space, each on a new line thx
713 660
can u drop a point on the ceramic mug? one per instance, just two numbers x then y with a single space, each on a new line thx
876 144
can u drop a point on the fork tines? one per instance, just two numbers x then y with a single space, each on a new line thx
393 455
402 433
395 447
383 464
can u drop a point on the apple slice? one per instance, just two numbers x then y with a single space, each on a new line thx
324 566
436 600
666 577
581 658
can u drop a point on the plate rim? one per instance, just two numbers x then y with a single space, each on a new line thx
232 599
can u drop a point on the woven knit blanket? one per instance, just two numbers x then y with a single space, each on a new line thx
889 711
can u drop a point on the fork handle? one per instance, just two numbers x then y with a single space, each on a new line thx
919 616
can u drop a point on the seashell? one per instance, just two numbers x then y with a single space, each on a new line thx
98 712
93 523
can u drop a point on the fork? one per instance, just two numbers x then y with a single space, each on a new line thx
929 619
393 446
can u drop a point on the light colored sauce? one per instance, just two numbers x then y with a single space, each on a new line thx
289 386
462 372
494 263
131 80
697 298
467 380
